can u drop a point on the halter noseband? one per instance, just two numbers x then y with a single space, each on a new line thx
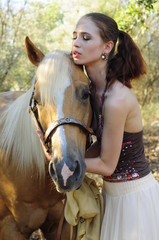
50 131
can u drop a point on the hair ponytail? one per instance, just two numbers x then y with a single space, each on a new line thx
127 63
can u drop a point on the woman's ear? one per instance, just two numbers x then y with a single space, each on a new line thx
108 47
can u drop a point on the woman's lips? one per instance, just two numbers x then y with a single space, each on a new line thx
76 54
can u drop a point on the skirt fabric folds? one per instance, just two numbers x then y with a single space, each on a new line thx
131 210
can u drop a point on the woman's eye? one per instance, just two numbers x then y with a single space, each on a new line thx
74 36
85 37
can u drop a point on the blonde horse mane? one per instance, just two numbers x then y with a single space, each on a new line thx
18 136
51 75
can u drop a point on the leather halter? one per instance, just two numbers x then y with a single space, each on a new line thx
51 129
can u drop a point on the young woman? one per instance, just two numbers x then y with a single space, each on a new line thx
112 60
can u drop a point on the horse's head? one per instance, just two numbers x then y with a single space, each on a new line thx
61 106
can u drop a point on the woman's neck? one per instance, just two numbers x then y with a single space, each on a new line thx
97 76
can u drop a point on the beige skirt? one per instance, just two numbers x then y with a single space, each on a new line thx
131 210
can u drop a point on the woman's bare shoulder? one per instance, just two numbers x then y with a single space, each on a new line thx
119 94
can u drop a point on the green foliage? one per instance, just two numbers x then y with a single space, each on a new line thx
50 24
135 15
108 7
141 21
33 19
62 34
147 3
150 113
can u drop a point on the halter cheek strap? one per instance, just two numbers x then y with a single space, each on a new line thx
63 121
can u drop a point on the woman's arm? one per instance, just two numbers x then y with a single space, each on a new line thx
115 114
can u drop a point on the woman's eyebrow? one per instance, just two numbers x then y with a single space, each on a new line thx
82 33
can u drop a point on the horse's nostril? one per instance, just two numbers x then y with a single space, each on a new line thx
77 170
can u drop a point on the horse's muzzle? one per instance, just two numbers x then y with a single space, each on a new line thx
67 176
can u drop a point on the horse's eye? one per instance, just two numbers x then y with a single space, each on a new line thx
85 94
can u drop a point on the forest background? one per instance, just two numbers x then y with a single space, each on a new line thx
50 23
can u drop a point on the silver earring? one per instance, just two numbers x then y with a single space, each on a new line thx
104 57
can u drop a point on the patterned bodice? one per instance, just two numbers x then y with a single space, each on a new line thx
131 164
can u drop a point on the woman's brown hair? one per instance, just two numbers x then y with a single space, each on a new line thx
125 61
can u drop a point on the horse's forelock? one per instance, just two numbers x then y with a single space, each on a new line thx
51 75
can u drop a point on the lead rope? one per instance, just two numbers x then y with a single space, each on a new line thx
62 219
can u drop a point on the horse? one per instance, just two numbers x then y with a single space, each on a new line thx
33 187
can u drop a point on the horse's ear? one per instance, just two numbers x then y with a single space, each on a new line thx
34 54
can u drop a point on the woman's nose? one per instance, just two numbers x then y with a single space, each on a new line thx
76 42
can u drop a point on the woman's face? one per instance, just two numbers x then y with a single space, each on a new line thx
88 46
